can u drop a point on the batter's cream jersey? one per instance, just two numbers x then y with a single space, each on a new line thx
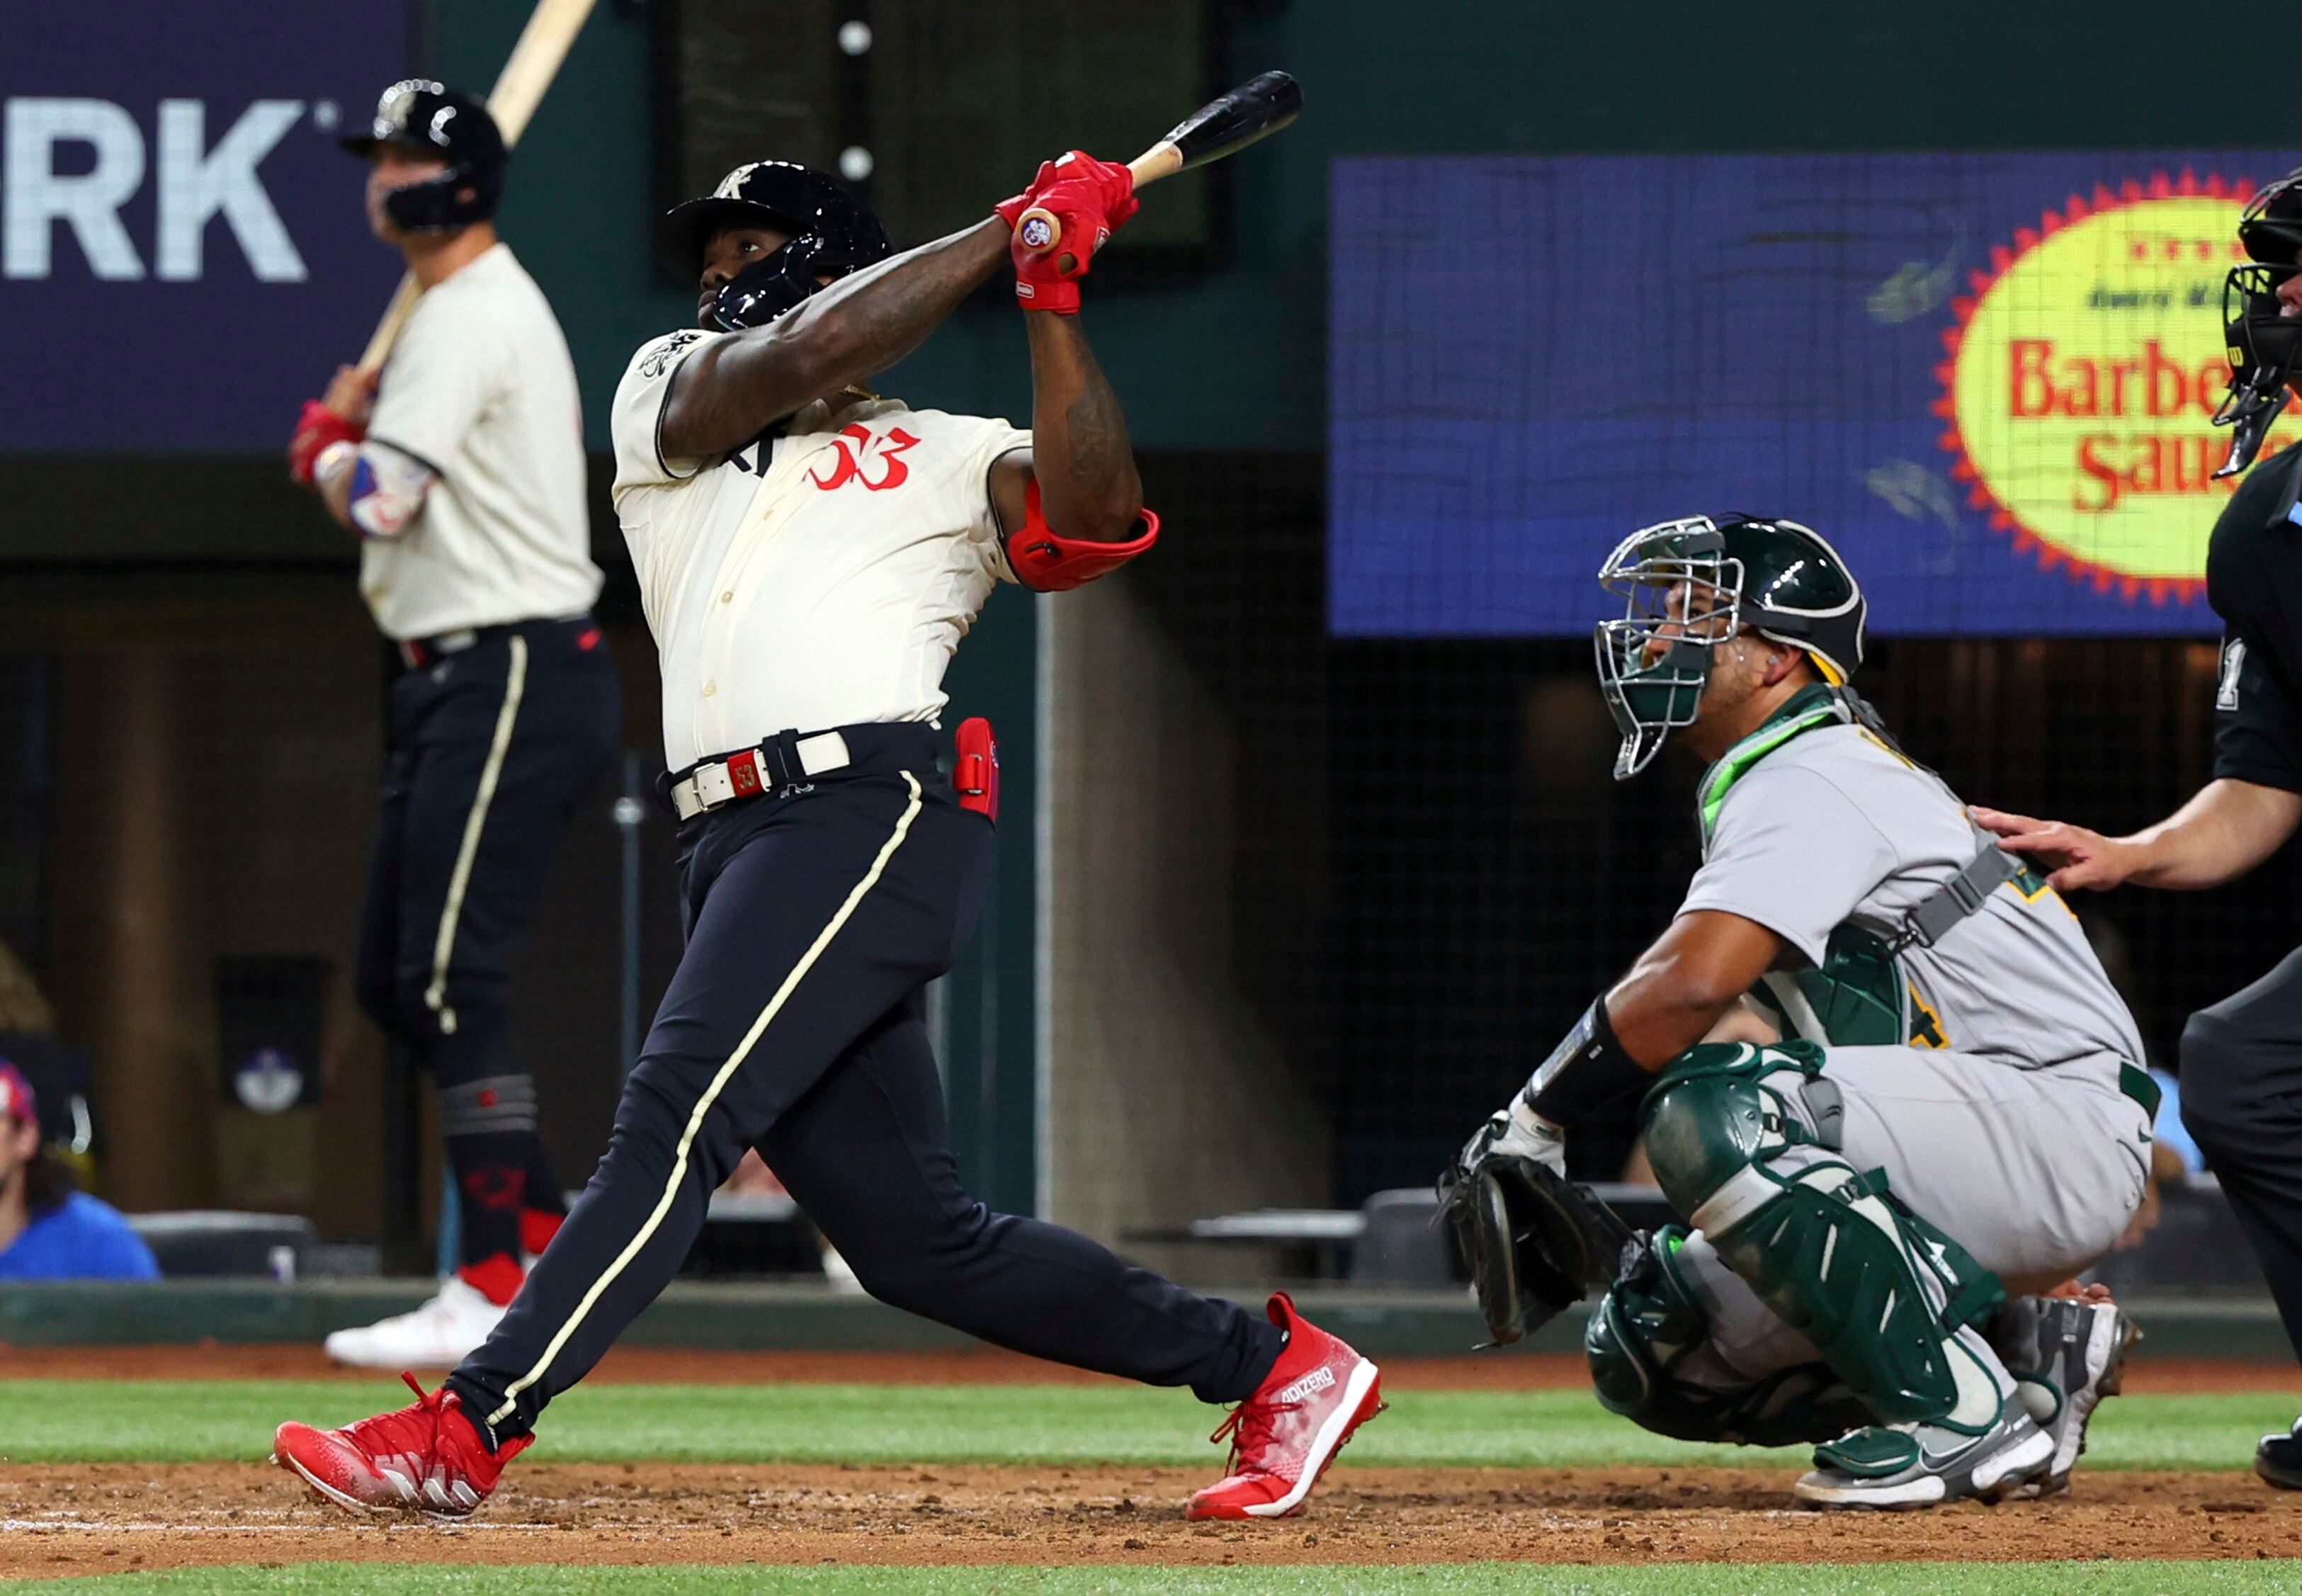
480 389
820 578
1834 825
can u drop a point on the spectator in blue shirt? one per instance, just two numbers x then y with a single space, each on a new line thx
48 1230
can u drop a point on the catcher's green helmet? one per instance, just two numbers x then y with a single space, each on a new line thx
1693 584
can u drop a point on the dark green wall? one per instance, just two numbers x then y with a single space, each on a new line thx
1236 360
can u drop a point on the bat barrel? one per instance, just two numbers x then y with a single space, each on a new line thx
1256 109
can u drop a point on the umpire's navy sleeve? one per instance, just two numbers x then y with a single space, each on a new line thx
2257 723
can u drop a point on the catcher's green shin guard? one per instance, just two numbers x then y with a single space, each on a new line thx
1881 1293
1645 1339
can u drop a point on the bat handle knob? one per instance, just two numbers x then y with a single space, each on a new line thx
1038 230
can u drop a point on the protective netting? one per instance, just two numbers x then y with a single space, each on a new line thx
1435 872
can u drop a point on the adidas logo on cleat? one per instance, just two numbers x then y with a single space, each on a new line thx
1315 1381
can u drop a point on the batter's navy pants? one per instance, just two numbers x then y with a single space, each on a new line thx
816 916
489 749
2242 1101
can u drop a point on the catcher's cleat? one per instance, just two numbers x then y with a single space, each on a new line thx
2068 1355
1921 1465
1284 1437
426 1456
2279 1458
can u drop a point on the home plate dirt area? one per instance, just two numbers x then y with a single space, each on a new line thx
63 1517
96 1518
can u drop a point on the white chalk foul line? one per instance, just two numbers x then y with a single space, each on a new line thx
104 1527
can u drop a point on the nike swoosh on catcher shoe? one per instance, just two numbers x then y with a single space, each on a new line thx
1284 1437
1918 1465
427 1458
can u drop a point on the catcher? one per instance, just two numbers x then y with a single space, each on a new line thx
1938 1100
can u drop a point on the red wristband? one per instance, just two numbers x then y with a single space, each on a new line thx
317 427
1060 295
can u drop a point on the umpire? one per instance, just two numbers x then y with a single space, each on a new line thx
2242 1058
462 472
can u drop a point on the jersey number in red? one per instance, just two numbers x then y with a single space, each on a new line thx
859 449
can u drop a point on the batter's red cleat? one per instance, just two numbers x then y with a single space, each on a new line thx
427 1457
1284 1437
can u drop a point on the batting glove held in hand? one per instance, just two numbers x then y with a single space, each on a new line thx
1072 205
316 428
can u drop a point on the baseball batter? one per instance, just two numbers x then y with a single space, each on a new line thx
462 473
810 554
1947 1103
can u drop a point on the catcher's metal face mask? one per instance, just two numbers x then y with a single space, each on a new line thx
1682 598
2264 344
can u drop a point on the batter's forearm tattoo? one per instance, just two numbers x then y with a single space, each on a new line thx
1098 437
1086 468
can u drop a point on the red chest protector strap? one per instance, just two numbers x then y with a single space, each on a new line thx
1050 564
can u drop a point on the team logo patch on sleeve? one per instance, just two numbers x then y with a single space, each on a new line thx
660 358
2233 663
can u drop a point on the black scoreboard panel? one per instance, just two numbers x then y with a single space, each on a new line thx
954 102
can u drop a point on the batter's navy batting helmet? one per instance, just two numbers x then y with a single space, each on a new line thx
419 114
831 233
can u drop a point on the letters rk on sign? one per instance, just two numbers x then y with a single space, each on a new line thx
183 250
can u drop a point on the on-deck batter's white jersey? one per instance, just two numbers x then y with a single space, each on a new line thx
480 389
820 578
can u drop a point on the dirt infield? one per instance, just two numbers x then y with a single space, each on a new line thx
93 1518
1501 1371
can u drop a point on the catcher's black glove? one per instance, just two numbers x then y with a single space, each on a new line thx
1536 1241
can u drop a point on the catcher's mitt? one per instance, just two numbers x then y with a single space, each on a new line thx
1536 1241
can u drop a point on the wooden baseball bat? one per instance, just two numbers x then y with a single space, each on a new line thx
535 61
1256 109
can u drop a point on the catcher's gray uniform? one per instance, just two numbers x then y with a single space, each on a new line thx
2002 1120
1976 1057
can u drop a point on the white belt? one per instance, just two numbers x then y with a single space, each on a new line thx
746 775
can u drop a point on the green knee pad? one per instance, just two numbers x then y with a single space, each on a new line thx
1879 1292
1640 1342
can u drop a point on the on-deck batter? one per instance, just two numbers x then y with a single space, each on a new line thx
462 472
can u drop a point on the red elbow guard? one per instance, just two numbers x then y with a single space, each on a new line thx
1049 564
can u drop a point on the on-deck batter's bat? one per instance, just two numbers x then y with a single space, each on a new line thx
534 61
1256 109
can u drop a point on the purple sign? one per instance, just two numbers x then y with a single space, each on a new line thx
184 253
1988 378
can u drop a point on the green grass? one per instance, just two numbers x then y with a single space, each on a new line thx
62 1421
1445 1579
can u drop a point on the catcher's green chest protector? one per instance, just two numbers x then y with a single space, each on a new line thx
1859 996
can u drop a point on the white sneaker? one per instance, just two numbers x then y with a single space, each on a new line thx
438 1335
840 1274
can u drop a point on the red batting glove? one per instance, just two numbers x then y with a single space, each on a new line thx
1114 185
317 427
1011 210
1089 199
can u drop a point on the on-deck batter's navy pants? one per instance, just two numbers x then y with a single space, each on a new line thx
815 919
488 751
2242 1099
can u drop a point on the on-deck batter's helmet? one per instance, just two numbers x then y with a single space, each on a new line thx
2264 343
831 233
419 114
1693 584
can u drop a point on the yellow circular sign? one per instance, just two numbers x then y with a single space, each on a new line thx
2082 375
